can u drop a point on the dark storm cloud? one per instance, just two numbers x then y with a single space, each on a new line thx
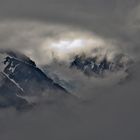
99 16
111 112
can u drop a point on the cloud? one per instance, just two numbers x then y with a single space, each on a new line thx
47 44
110 110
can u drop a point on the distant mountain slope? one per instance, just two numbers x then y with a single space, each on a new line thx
20 77
91 66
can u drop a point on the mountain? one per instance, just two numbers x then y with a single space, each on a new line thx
91 66
21 79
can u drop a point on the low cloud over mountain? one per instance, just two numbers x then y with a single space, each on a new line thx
86 49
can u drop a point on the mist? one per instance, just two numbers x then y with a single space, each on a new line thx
107 108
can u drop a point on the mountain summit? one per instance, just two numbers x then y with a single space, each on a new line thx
21 79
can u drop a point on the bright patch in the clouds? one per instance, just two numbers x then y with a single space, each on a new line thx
67 45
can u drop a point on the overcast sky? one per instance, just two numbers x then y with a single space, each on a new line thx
112 113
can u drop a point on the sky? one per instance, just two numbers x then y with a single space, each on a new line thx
109 108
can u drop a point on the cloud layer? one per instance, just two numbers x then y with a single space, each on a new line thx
109 109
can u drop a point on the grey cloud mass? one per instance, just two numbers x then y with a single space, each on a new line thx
108 109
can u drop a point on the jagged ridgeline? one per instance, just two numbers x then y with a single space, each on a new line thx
21 79
91 66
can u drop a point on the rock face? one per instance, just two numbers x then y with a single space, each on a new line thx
91 66
20 77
